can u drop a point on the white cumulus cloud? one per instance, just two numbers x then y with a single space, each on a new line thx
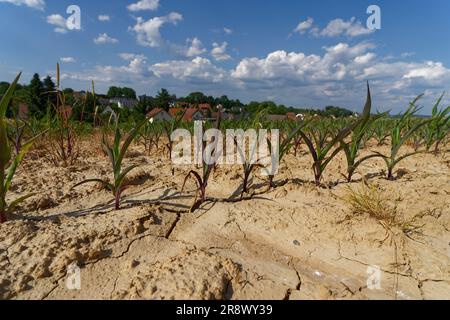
59 22
335 28
68 59
36 4
197 69
219 51
350 28
195 48
103 38
304 26
148 32
144 5
104 18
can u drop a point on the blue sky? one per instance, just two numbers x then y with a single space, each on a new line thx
300 53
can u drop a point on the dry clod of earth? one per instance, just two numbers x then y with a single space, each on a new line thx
192 275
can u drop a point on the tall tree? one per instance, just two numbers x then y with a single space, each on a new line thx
3 87
49 85
164 99
117 92
128 93
49 88
113 92
36 102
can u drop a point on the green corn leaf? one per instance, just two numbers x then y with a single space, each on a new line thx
403 139
18 159
18 201
5 148
106 184
310 146
6 99
122 176
396 161
131 136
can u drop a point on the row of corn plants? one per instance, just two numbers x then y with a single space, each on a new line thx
324 140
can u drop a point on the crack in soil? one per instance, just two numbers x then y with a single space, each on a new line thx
114 287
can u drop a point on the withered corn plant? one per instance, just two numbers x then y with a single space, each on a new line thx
202 179
63 149
8 163
116 153
352 148
324 149
16 134
400 133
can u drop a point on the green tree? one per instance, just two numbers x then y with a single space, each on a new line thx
49 85
49 88
196 98
36 101
128 93
117 92
114 92
337 112
3 87
164 99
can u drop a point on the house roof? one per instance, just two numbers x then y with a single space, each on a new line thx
189 114
291 116
154 112
175 111
204 106
276 117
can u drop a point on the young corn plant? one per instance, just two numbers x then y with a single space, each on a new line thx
400 133
169 127
150 135
438 128
202 179
381 131
324 150
351 149
288 142
8 163
116 153
248 164
419 138
248 168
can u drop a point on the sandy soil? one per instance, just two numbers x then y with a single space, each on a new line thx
294 242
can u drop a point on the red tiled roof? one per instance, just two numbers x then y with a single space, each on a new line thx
175 111
154 112
204 106
291 116
189 114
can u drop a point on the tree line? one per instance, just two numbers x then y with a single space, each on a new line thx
39 96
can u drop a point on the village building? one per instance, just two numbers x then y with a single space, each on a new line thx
159 114
124 102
